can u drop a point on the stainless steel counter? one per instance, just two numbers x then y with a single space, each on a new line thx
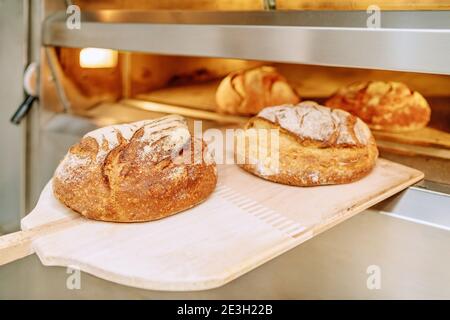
413 260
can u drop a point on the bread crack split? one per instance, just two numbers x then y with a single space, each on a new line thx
132 172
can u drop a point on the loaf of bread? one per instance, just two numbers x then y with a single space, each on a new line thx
134 172
386 106
247 92
313 145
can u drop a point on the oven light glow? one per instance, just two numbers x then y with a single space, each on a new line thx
98 58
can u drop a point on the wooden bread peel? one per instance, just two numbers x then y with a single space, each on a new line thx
245 222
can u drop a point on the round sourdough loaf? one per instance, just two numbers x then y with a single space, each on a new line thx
387 106
134 172
246 92
312 145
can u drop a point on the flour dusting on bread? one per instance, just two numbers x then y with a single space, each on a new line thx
107 138
309 120
161 138
165 138
70 169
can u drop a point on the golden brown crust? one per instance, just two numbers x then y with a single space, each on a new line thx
247 92
130 185
386 106
309 156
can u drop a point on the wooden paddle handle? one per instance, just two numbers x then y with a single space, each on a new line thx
15 246
19 244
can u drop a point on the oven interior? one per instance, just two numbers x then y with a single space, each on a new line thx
87 81
107 86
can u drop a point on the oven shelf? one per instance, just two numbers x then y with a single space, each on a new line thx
408 40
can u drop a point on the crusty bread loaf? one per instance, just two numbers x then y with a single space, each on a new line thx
316 146
135 172
247 92
387 106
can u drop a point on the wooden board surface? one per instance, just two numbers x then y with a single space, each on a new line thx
245 222
198 96
427 137
413 150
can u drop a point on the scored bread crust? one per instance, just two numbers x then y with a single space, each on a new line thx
317 146
386 106
246 92
135 172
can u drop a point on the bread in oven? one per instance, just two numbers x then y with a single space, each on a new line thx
247 92
316 146
387 106
135 172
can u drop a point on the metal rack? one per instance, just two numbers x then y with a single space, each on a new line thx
416 41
